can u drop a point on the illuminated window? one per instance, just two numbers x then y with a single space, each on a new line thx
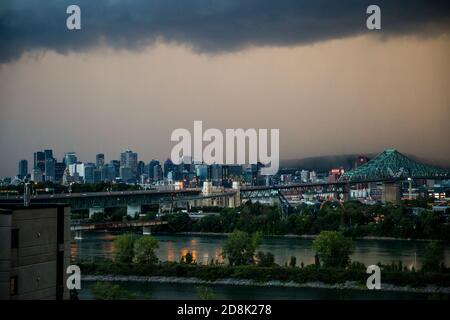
13 286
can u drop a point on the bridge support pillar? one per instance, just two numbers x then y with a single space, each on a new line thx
146 230
235 201
133 210
95 210
391 193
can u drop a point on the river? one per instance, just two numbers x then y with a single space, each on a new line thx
99 245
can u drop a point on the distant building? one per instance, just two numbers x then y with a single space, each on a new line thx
89 173
313 176
39 161
140 168
157 172
70 158
151 165
59 171
168 167
50 169
127 174
37 175
304 176
100 160
116 165
49 165
23 169
335 174
34 252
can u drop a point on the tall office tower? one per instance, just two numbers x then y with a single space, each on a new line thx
39 161
49 165
157 172
129 159
89 173
168 167
108 172
48 154
140 168
202 171
116 165
98 175
151 166
50 169
23 169
127 175
100 160
60 167
70 158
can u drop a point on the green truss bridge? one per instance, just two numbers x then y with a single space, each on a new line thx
392 165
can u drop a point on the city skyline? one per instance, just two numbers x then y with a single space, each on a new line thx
330 90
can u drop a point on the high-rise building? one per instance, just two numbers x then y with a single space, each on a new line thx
140 168
59 171
23 169
127 175
151 170
39 161
168 167
70 158
116 165
157 172
49 165
100 160
202 171
129 159
50 169
89 173
37 175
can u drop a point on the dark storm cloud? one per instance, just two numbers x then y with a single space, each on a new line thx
206 25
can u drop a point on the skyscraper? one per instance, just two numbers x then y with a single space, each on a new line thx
49 165
152 164
39 161
50 169
70 158
100 160
129 159
23 169
60 167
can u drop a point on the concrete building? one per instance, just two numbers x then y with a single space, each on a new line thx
34 251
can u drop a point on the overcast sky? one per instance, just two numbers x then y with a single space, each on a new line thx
136 72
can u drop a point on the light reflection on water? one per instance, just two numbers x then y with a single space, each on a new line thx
100 245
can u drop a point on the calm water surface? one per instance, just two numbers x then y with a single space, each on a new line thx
99 245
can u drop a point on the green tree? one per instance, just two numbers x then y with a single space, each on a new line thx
109 291
333 249
240 247
433 257
144 250
293 262
124 248
265 259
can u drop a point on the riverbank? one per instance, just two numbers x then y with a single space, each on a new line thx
354 277
348 285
